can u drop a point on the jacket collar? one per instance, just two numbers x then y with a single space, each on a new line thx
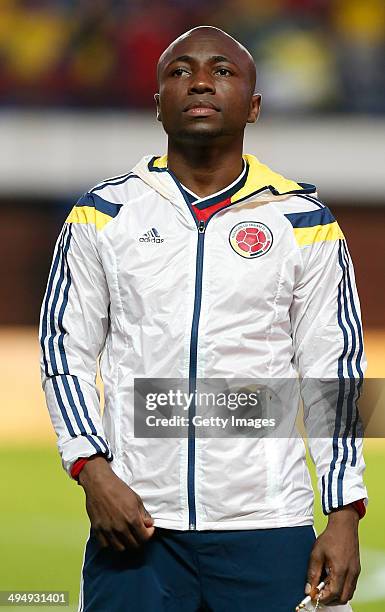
260 183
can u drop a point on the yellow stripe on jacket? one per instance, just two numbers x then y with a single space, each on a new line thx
318 233
88 215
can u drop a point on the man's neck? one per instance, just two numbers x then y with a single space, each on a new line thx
205 170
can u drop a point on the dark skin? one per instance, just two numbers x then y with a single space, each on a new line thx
206 66
117 514
206 97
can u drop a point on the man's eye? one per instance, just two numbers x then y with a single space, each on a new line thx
179 72
223 71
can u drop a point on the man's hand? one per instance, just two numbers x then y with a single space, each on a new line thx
116 512
336 551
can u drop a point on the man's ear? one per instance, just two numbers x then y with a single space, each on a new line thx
255 107
156 98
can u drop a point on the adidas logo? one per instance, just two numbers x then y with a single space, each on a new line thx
151 236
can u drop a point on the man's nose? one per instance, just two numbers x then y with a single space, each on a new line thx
202 83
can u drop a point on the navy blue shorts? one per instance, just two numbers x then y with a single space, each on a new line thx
260 570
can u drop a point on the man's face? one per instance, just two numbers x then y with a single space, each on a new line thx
206 86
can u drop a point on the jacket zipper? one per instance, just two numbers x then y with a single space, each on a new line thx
193 376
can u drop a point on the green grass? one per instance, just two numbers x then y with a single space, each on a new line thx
44 526
372 533
43 523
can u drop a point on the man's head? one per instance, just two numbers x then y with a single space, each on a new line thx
206 85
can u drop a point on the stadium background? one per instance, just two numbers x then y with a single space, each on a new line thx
76 105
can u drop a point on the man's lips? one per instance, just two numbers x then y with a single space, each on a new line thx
201 111
201 108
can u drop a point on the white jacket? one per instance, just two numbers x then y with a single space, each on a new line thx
134 281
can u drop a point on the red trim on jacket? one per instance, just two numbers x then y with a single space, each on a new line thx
205 214
360 507
78 466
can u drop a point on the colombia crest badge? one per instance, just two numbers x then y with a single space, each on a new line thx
251 239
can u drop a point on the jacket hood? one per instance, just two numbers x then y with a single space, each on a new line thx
262 183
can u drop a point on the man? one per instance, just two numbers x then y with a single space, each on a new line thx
204 264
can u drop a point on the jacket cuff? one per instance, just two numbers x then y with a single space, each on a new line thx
359 502
360 506
78 466
82 447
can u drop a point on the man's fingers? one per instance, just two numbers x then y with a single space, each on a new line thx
334 586
102 540
147 518
114 540
140 532
127 539
349 587
119 539
121 521
314 571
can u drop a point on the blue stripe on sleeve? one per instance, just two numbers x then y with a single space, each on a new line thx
103 443
95 201
341 390
83 405
62 309
62 408
352 387
72 404
66 418
358 358
64 272
346 298
55 300
124 178
44 329
352 384
323 499
357 320
58 260
311 218
114 180
66 385
65 276
94 443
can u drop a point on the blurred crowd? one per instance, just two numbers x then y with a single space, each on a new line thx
311 55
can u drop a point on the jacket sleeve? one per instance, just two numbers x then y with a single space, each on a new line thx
329 356
74 320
